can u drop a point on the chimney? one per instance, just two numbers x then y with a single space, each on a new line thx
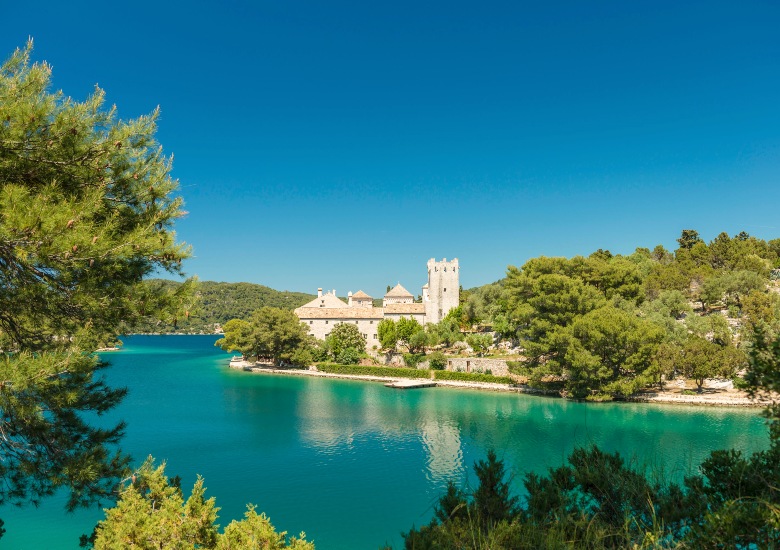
319 293
349 298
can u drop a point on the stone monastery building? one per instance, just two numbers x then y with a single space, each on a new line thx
439 295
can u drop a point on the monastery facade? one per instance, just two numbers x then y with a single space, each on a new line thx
439 295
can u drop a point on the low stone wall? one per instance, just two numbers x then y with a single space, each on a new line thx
392 359
497 367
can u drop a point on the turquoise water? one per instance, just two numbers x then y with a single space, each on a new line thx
354 463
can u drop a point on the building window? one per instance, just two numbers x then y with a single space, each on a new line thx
445 270
311 322
326 322
374 336
445 290
372 322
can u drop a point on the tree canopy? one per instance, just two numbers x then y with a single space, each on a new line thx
87 208
270 333
345 343
152 513
606 325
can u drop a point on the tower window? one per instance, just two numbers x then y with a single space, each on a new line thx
445 270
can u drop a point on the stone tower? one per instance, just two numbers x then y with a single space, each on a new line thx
442 293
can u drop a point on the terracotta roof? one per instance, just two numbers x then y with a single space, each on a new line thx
405 308
398 292
326 301
339 313
360 294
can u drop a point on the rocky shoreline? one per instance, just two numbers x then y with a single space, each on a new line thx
711 398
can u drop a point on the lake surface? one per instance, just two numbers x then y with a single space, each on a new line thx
354 463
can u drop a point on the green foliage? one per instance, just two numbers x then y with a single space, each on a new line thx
217 303
598 501
446 332
360 370
609 352
151 513
460 518
387 333
412 334
255 532
345 344
480 343
643 300
87 209
471 377
437 361
49 443
689 238
348 356
270 333
418 342
413 359
701 359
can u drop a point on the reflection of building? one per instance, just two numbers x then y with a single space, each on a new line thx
442 445
439 295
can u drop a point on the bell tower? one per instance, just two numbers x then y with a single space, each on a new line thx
442 293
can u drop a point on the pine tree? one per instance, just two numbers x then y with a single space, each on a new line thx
87 208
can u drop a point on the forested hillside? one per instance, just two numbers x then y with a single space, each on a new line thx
216 303
608 325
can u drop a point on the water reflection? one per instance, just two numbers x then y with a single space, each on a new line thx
442 445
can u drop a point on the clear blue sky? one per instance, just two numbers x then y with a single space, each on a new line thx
342 144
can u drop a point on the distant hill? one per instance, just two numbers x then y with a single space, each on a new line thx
221 302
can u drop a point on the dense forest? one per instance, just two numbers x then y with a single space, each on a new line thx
606 325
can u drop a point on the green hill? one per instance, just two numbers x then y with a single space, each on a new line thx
219 302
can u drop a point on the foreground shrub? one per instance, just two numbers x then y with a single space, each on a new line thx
598 501
152 513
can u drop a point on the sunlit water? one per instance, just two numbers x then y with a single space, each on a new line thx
354 463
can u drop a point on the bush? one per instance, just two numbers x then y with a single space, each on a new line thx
413 359
740 383
471 377
519 367
361 370
302 357
349 356
437 361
